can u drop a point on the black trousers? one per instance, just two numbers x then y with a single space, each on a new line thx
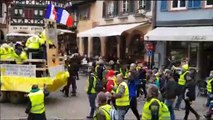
188 108
133 106
32 116
74 86
67 87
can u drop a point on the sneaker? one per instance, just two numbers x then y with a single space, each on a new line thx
89 117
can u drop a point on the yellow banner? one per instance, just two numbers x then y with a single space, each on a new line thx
24 84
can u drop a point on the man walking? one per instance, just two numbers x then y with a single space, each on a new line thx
121 98
181 85
92 93
169 94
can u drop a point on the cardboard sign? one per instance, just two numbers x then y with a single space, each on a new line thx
54 70
18 70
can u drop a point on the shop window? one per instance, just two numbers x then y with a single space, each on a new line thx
208 3
178 4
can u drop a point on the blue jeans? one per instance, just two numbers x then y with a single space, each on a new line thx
180 97
92 98
120 114
169 104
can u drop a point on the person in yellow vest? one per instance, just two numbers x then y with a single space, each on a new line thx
124 71
20 54
153 109
121 97
7 52
36 107
33 45
104 109
209 88
91 92
181 85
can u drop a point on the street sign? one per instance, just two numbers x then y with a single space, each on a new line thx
149 53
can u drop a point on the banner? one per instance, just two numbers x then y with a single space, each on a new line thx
18 70
54 70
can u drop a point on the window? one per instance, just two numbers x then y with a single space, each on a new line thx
28 13
178 4
141 4
110 8
83 13
125 6
208 3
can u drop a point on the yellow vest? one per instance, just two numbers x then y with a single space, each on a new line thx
124 74
209 86
124 100
106 110
94 84
182 80
33 43
7 53
163 112
96 69
37 102
20 58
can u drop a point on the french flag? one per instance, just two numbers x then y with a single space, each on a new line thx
64 17
51 12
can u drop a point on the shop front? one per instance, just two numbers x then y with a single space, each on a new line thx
116 41
191 44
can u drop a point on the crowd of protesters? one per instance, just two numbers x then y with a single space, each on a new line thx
159 87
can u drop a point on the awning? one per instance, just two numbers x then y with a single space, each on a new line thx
62 31
204 33
104 31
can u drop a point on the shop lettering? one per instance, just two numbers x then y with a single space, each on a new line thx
198 38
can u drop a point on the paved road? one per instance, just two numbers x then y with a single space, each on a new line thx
76 108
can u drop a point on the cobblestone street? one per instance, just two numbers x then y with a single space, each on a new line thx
77 108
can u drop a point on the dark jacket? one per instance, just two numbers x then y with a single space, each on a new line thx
170 89
132 83
190 90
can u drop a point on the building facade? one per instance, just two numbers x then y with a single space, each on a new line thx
3 19
183 28
116 29
27 17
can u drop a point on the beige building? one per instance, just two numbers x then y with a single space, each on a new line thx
114 29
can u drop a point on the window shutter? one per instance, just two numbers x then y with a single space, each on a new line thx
148 5
116 9
164 4
131 6
104 10
197 4
192 4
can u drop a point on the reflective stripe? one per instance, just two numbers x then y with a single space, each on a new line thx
182 80
124 100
